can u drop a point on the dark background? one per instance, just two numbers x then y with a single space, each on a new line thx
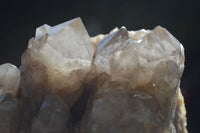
19 19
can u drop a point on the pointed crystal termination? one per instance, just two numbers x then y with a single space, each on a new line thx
145 68
9 79
53 116
57 60
117 56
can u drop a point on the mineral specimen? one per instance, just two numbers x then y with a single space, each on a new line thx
9 79
121 82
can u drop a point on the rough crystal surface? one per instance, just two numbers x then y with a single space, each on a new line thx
118 54
9 79
145 68
121 82
57 60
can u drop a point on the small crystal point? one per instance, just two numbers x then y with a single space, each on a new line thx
42 30
119 33
9 79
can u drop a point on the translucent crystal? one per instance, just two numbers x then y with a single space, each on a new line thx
144 70
57 60
121 82
9 79
117 57
140 57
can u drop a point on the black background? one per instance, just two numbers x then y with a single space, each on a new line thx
18 20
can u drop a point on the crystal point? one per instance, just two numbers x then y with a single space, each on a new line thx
118 57
57 60
42 30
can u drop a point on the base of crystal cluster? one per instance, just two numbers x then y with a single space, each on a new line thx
121 82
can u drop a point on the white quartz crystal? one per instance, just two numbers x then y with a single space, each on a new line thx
9 79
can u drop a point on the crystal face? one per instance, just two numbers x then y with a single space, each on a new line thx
121 82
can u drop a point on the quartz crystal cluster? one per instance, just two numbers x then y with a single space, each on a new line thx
121 82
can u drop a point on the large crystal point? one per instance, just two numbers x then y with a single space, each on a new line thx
145 68
57 60
9 114
9 79
53 116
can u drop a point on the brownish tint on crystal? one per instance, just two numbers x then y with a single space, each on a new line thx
121 82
